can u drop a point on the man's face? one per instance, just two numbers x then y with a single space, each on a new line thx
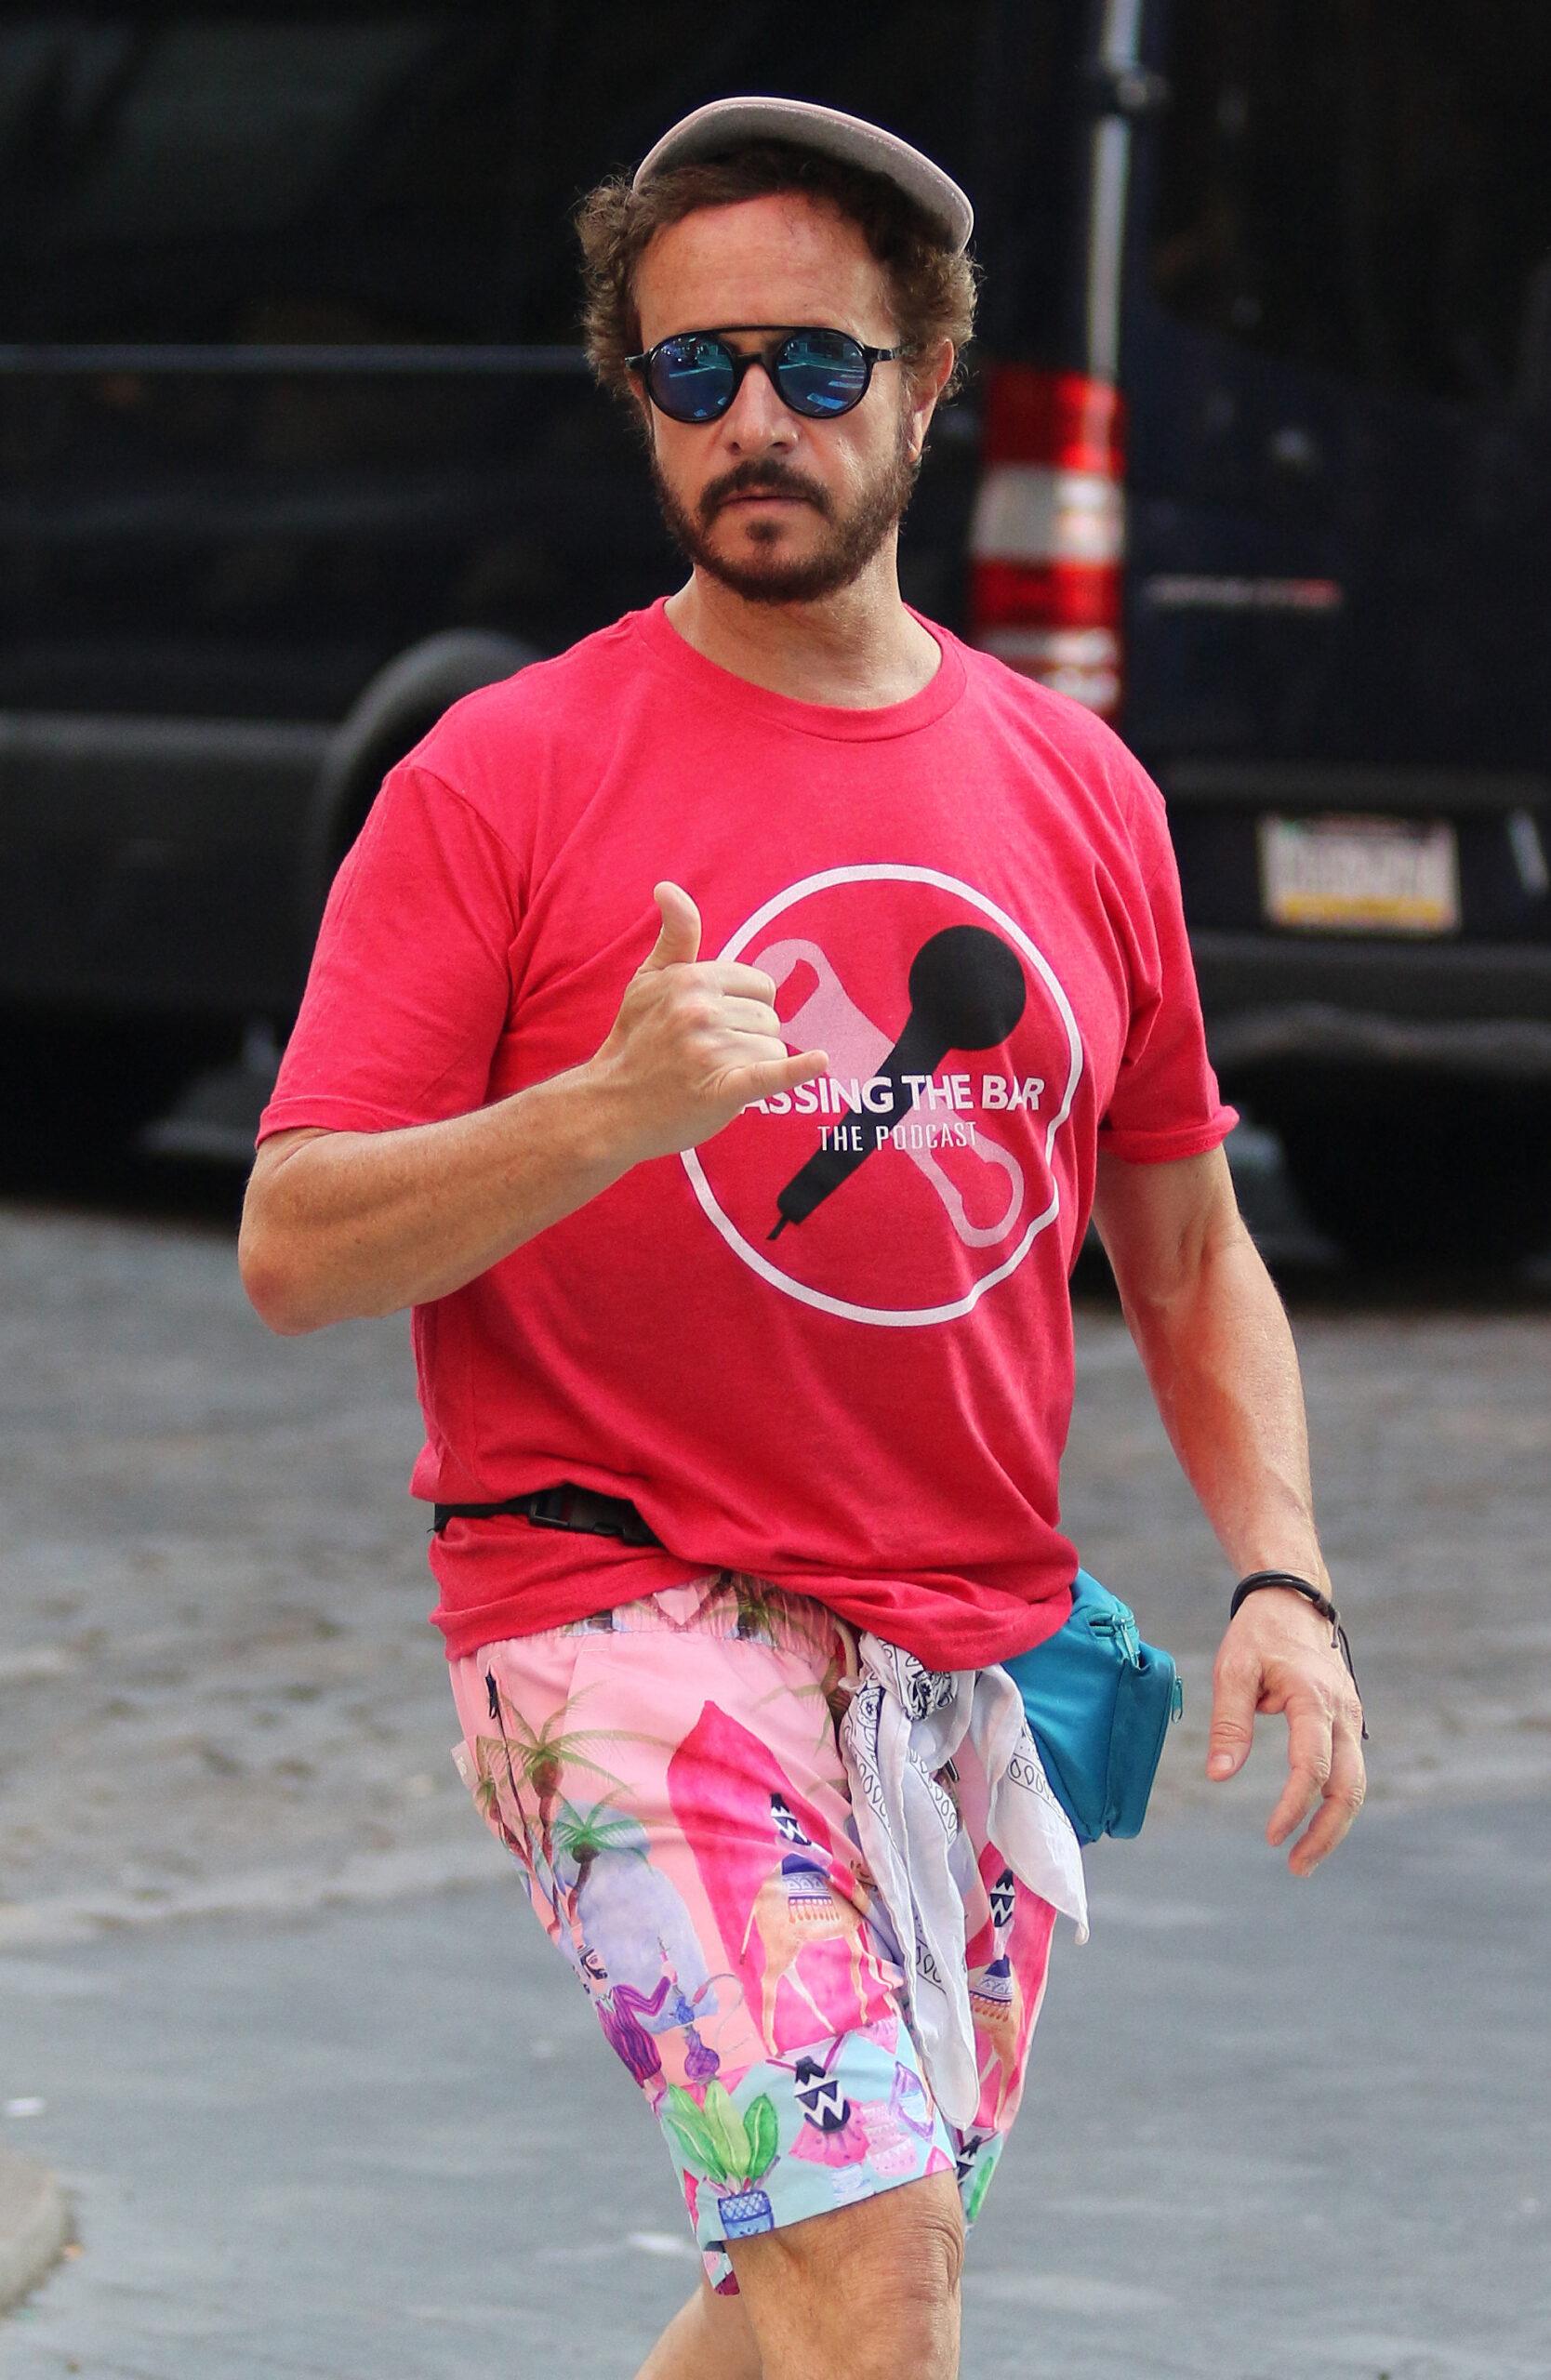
779 508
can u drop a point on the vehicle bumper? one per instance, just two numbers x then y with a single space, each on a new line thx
1272 1002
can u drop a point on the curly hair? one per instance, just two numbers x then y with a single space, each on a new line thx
932 291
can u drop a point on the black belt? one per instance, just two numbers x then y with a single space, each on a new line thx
568 1506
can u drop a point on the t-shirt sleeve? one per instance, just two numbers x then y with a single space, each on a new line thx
1165 1102
410 985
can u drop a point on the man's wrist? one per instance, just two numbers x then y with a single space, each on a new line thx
1288 1584
1300 1560
1280 1607
1293 1590
602 1126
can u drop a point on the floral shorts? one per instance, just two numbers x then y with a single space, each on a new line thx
667 1778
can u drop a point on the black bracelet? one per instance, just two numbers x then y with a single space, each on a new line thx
1311 1593
1321 1603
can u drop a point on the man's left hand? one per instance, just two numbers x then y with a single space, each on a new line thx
1277 1656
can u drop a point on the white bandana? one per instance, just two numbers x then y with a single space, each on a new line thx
903 1723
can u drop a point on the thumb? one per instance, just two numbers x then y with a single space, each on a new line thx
678 942
1234 1698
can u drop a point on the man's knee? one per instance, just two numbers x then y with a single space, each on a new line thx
874 2287
916 2255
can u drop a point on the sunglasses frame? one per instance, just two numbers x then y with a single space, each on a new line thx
769 357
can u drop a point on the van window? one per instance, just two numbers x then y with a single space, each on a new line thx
299 92
338 175
1250 232
1360 185
348 174
984 88
1455 196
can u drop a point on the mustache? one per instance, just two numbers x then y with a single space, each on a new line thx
745 478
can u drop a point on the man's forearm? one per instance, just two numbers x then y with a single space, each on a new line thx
353 1223
1219 1353
1224 1371
344 1223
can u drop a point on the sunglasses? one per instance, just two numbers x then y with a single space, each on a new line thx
694 376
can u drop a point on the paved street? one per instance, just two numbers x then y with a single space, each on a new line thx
1302 2128
1276 2131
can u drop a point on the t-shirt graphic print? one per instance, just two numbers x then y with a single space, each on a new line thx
830 1345
915 1175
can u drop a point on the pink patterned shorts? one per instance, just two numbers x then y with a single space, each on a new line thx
667 1778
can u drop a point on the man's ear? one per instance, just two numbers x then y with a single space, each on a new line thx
929 377
640 405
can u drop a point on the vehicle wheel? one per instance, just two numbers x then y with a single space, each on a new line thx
76 1089
1458 1175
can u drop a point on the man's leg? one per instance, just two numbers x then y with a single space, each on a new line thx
869 2291
705 1885
708 2339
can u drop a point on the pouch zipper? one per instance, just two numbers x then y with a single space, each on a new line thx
1122 1627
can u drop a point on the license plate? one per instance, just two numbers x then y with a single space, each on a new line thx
1361 874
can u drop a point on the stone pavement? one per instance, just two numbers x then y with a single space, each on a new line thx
218 1691
1276 2130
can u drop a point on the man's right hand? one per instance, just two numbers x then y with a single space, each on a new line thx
349 1223
695 1040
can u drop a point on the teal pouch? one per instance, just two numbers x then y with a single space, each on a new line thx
1098 1703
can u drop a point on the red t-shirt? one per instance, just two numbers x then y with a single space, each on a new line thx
833 1344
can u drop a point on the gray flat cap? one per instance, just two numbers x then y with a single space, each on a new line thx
724 123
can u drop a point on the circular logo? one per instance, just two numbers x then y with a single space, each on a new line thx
917 1174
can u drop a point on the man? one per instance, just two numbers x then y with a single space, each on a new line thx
754 1224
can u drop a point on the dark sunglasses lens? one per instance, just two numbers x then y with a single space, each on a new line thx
821 372
692 378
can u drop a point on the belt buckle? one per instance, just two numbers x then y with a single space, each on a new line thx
550 1508
586 1512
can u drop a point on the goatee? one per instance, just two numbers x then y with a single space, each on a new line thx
840 556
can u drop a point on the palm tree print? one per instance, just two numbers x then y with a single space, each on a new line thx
487 1799
540 1757
832 1690
767 1612
756 1603
581 1835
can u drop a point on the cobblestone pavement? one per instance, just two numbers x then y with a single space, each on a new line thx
218 1691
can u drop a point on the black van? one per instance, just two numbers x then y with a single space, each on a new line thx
1256 460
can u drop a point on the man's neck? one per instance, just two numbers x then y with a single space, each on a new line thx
859 649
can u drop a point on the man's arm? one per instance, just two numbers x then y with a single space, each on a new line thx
1220 1358
338 1225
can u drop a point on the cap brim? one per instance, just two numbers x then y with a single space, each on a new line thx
724 123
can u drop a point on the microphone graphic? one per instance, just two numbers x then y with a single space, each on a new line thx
967 992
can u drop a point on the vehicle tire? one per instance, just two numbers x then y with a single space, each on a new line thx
1456 1175
76 1089
398 706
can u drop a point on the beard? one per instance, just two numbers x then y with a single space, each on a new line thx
851 540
